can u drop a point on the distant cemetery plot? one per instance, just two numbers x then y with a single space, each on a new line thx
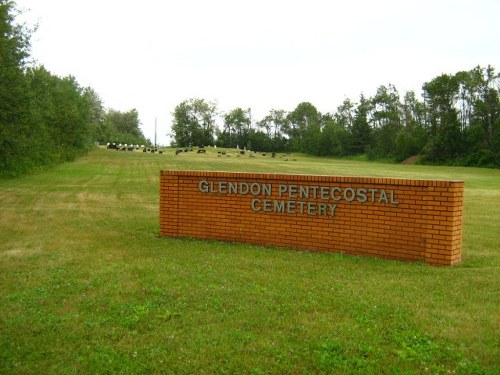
136 147
201 150
123 147
229 152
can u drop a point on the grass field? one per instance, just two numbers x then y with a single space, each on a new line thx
88 286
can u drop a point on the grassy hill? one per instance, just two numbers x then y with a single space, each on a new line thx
88 286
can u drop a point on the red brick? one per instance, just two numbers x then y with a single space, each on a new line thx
426 225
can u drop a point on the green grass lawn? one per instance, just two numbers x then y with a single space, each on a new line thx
88 286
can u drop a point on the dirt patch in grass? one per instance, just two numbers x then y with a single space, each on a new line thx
411 160
20 252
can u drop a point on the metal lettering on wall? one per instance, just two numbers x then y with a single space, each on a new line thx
292 196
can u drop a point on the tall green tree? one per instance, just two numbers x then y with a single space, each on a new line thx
333 139
412 137
194 123
42 116
345 114
360 131
479 107
70 130
60 114
123 127
15 138
259 141
385 120
237 125
304 128
445 139
274 125
487 106
96 115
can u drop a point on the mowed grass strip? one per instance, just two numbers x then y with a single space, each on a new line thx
88 286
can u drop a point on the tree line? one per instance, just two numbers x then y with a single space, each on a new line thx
456 121
46 119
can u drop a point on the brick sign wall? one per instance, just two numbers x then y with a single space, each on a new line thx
389 218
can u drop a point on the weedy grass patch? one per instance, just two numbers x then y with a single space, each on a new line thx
88 286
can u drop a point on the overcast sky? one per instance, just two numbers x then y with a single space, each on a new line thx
260 54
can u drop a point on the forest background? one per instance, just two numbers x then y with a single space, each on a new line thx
46 119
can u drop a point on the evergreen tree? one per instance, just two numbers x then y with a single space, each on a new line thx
360 131
15 136
445 141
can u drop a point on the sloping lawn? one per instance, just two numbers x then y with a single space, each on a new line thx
88 286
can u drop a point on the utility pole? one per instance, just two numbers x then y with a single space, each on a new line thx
155 132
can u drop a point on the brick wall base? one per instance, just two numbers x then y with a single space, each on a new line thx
413 220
